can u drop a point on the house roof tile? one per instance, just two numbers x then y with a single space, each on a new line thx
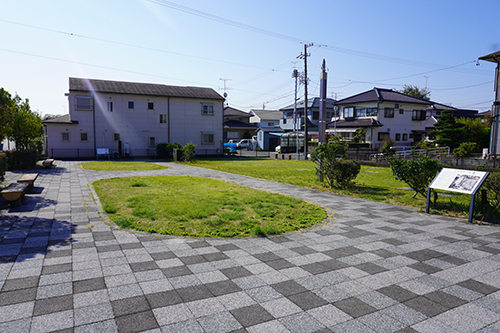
137 88
382 95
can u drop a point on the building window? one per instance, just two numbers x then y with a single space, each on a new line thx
284 120
207 109
151 105
349 112
232 135
418 115
396 106
152 142
110 106
131 105
411 136
270 124
116 137
398 137
401 111
163 118
405 136
389 113
65 136
383 135
84 137
83 103
207 138
315 115
371 111
360 112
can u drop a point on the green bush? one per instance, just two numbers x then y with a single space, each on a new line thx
465 149
188 152
3 166
165 150
21 159
417 174
331 163
491 211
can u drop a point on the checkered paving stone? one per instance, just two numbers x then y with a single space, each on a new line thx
373 268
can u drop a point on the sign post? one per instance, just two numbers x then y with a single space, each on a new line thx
457 180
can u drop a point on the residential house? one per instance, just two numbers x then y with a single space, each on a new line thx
237 125
385 113
287 121
130 119
381 113
268 131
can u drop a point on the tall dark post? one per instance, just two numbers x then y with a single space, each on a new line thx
305 102
322 105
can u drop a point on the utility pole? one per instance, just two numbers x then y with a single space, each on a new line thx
304 56
322 104
295 75
426 77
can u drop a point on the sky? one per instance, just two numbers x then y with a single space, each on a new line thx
250 47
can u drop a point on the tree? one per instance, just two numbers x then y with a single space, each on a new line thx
417 174
477 131
26 125
415 91
332 165
447 131
6 105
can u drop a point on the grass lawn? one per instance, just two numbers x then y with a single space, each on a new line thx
121 166
374 183
203 207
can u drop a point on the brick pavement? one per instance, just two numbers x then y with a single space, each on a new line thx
373 268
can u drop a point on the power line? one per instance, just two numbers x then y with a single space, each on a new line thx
129 45
223 20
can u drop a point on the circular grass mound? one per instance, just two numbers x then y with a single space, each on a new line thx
202 207
121 166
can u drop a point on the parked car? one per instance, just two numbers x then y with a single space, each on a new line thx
244 143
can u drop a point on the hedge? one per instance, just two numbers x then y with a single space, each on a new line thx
21 159
3 166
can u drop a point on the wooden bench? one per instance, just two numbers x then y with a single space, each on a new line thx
28 178
14 193
48 163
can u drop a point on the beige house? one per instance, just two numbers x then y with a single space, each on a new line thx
130 119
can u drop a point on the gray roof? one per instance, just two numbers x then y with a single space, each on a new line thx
229 111
236 124
65 119
365 122
311 103
137 88
268 114
382 95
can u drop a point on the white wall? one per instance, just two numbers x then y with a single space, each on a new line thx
185 123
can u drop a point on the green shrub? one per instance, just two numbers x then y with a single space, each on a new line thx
465 149
417 174
3 166
188 152
388 147
165 150
491 211
331 163
21 159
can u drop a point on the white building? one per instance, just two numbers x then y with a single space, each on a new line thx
130 119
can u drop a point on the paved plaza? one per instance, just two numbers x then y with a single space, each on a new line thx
372 268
